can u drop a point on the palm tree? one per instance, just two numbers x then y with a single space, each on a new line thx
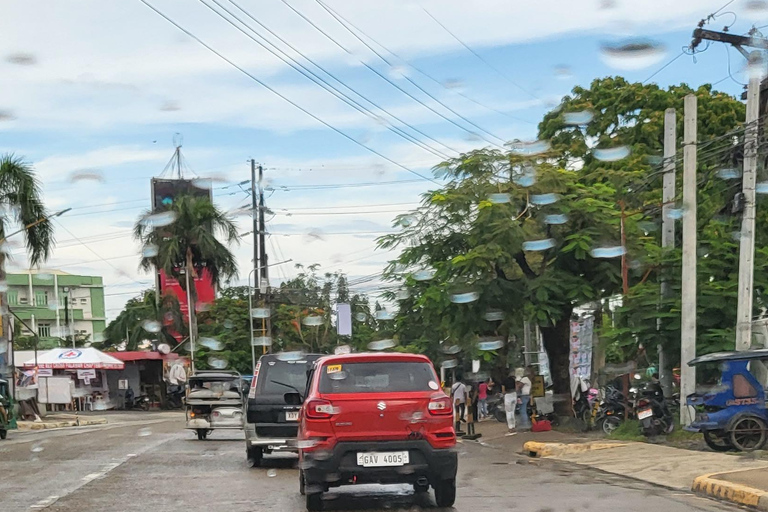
182 242
21 205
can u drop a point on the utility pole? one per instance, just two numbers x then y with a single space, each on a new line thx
667 229
266 325
688 309
747 241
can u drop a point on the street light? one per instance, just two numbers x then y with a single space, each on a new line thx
38 221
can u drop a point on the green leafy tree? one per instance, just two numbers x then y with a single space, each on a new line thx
144 319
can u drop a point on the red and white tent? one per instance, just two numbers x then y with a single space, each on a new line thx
75 359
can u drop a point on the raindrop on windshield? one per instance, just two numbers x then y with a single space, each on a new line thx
260 313
383 314
578 118
611 154
544 199
632 54
563 72
312 321
229 324
407 220
152 325
272 473
675 213
144 432
212 343
21 59
756 6
360 317
381 344
450 363
539 245
6 115
499 198
37 448
3 286
494 316
490 344
729 174
294 355
338 375
262 341
150 251
159 219
530 148
86 175
465 298
555 218
424 274
218 363
761 188
452 349
203 306
607 252
402 294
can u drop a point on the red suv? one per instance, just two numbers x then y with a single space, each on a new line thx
376 418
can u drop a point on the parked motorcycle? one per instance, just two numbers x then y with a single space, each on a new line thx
496 409
140 402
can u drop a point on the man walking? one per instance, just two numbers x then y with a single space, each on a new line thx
509 390
459 397
524 388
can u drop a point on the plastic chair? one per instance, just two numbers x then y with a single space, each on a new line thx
88 403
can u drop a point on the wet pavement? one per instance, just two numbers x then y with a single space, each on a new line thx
148 463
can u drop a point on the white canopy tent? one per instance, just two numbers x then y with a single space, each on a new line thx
75 359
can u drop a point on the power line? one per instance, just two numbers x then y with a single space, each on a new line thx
287 188
318 80
662 68
473 52
282 96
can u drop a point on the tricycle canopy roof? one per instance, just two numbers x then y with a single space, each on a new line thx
745 355
214 376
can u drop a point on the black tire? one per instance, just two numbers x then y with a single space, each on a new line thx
255 456
445 493
609 424
500 415
315 501
201 434
748 433
144 406
716 442
301 483
3 434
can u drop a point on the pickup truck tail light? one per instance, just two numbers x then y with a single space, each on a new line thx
440 406
317 409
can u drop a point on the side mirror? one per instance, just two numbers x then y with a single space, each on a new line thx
293 398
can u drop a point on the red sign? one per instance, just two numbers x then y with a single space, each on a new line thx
206 292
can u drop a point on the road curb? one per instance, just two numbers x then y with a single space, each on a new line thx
24 426
730 491
538 449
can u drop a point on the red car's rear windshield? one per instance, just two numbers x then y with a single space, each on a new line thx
378 377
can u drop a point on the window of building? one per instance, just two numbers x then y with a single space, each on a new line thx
83 301
22 300
13 297
41 298
44 330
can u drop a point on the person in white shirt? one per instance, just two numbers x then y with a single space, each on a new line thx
524 390
459 397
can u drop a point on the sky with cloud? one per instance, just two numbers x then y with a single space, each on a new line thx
98 89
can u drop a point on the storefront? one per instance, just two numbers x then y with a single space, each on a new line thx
147 373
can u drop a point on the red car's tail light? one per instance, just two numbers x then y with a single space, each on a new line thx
319 409
440 406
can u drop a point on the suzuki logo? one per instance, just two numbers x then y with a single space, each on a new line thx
381 406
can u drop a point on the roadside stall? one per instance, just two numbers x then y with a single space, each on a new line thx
85 367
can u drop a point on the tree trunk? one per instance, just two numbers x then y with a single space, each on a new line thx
558 347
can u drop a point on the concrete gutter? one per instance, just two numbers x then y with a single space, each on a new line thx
25 426
734 492
537 449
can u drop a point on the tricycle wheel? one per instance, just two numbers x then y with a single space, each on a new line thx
748 433
202 434
3 434
716 442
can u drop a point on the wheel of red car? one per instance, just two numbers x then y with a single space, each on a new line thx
748 433
445 493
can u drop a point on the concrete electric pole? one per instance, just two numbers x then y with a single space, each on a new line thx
667 228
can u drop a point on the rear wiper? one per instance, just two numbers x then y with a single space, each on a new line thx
289 386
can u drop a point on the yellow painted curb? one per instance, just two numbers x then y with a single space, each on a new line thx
730 491
537 449
45 425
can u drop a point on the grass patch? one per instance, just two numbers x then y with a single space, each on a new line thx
628 431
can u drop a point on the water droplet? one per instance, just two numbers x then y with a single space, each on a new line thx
607 252
218 363
611 154
383 314
563 72
360 317
3 286
757 6
607 4
203 306
453 83
21 59
450 363
535 147
229 324
260 313
632 54
6 115
675 213
494 344
407 220
262 341
736 235
539 245
342 349
654 159
499 198
729 174
212 343
152 326
556 218
465 298
524 180
271 473
578 118
37 448
452 349
402 294
44 276
150 251
312 321
144 432
381 344
493 316
86 175
424 274
647 225
159 219
338 375
761 188
294 355
170 106
544 199
306 443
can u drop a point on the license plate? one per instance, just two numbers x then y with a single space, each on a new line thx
292 416
645 413
382 459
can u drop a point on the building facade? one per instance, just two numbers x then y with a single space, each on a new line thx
39 297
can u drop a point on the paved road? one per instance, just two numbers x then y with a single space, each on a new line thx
148 463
